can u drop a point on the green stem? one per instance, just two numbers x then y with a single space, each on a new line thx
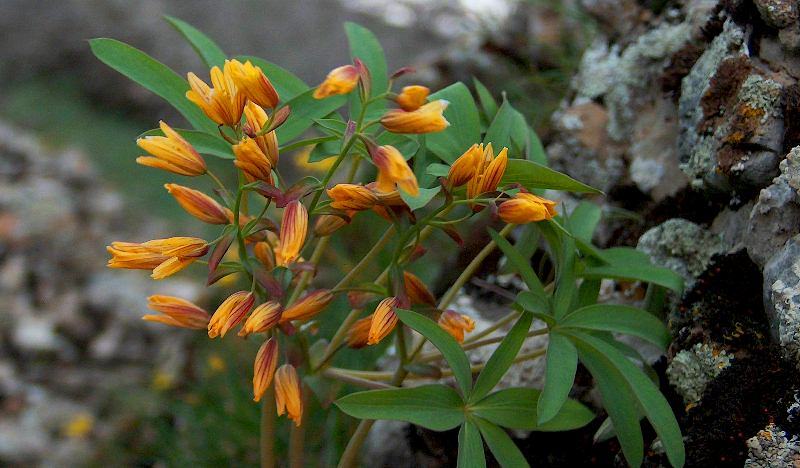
297 435
267 433
376 249
345 377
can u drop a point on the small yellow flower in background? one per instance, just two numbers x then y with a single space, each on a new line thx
162 381
358 335
215 363
164 256
466 166
384 319
412 98
256 118
351 197
252 161
199 205
427 119
251 81
171 152
223 103
176 312
78 426
526 208
393 169
328 224
230 313
489 173
264 367
417 292
340 80
263 318
308 306
294 227
288 394
456 324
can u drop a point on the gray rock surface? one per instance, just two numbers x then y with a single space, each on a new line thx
782 297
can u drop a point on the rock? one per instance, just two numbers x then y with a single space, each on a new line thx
691 370
777 13
782 297
772 447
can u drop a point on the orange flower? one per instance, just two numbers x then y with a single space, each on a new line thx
393 169
171 152
340 80
328 224
263 318
294 227
230 313
351 197
456 324
526 208
465 167
176 312
489 173
253 162
310 305
412 97
264 367
288 394
199 205
358 335
256 118
164 256
252 82
263 253
223 103
417 292
384 319
427 119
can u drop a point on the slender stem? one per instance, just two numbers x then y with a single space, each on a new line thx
305 276
354 380
350 455
217 181
495 326
297 435
339 337
368 258
477 344
267 435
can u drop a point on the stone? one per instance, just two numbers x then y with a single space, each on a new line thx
692 369
772 447
778 13
782 297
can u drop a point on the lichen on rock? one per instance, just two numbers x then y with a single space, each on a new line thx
772 447
692 369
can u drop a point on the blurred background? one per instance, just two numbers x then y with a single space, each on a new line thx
83 381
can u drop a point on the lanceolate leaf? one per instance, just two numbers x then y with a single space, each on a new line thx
507 125
436 407
562 362
629 264
503 448
304 110
502 358
565 282
488 104
583 220
203 142
286 83
424 197
152 75
621 319
521 264
205 47
465 125
533 175
516 408
445 343
470 447
536 151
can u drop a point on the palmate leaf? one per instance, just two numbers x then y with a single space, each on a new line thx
503 448
470 447
501 358
205 47
436 407
532 175
203 142
516 408
562 363
465 124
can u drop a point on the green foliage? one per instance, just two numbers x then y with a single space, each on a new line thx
203 142
465 124
205 47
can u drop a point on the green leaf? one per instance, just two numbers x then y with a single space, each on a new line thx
153 76
521 264
365 46
286 83
304 110
202 142
565 280
405 144
535 151
324 150
333 126
650 400
446 344
621 319
504 449
562 363
436 407
533 175
506 123
465 123
205 47
438 170
516 408
588 292
488 104
583 220
501 358
425 196
626 263
533 303
470 447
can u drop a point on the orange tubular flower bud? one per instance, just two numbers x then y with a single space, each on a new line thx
223 103
490 172
412 97
256 118
171 152
465 167
230 313
134 256
427 119
252 82
328 224
288 394
199 205
527 208
264 367
456 324
179 246
351 197
263 318
384 319
252 161
310 305
417 292
393 169
176 312
263 253
358 335
340 80
294 227
164 256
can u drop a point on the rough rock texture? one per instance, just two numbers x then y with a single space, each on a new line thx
691 370
782 297
72 333
771 447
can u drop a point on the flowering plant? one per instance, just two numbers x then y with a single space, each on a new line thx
431 162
